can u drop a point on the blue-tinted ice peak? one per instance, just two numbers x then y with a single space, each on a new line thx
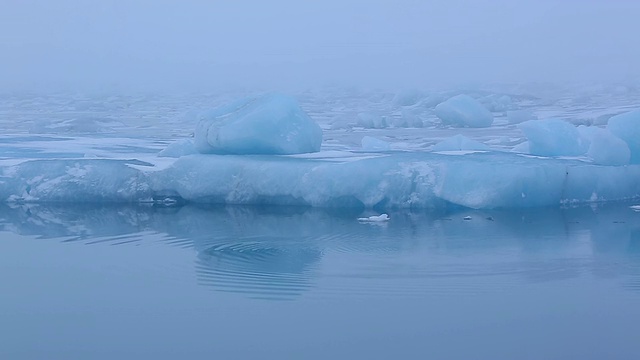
269 124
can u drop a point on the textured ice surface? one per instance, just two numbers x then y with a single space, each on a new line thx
463 110
553 137
395 180
627 127
270 124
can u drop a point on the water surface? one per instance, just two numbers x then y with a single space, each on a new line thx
106 282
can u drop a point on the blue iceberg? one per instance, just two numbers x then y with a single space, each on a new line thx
270 124
463 111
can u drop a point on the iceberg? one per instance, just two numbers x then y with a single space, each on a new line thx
627 127
416 180
407 97
271 124
463 111
369 120
607 149
553 137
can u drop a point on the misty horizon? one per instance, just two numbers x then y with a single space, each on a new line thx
200 45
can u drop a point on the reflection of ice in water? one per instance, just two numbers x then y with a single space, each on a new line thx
283 253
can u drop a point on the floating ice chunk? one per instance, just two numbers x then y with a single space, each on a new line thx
373 145
410 118
379 218
467 217
179 148
463 110
459 142
635 207
369 120
407 97
627 127
270 124
519 116
607 149
553 137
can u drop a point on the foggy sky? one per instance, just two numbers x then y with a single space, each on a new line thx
274 44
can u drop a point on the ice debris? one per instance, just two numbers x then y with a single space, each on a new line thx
374 218
463 111
271 124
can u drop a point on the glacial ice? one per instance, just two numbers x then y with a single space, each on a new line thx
607 149
269 124
464 111
627 127
419 180
553 137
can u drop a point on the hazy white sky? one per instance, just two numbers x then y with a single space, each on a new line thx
161 44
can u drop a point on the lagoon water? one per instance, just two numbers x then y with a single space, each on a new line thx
107 282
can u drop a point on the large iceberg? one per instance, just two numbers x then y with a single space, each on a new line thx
464 111
270 124
380 181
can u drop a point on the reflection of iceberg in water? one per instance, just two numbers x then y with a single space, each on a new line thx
279 252
258 270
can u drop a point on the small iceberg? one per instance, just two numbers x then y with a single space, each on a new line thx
379 218
635 208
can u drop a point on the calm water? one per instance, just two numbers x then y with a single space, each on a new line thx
279 283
